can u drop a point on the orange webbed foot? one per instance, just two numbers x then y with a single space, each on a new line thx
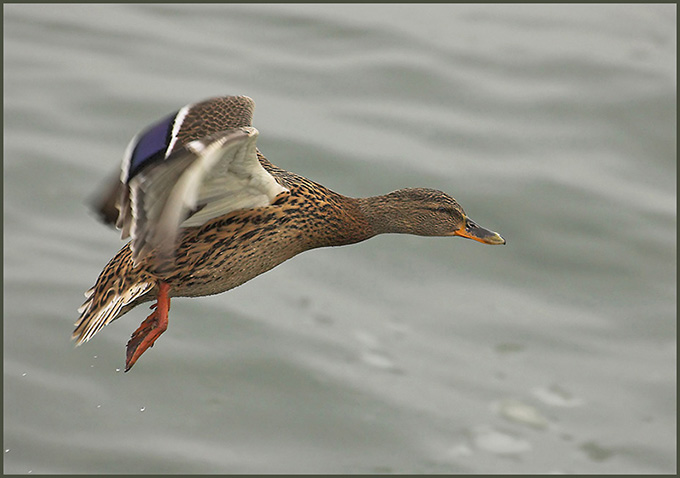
149 330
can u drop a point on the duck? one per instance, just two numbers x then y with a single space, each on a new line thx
204 211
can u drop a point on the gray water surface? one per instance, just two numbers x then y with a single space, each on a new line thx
553 125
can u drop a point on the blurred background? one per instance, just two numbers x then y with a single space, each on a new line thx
554 125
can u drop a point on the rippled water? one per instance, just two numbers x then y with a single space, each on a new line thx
554 125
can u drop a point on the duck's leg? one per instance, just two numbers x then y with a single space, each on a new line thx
152 327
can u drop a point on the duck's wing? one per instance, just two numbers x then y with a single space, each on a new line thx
207 178
188 168
159 141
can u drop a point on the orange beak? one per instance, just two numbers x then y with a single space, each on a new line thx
478 233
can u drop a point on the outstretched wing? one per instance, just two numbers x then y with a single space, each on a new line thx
159 141
205 179
186 169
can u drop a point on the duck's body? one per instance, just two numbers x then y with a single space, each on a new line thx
201 229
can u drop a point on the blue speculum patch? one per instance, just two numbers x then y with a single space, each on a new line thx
151 145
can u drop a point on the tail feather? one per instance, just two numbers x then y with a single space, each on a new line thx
118 288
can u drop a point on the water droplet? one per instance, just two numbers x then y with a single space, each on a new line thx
117 370
24 374
92 366
142 409
7 450
99 406
95 356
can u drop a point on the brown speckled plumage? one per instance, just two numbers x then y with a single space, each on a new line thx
233 248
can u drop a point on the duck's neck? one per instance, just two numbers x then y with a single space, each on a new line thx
344 223
350 220
386 214
354 220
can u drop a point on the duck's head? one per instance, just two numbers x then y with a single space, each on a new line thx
424 212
